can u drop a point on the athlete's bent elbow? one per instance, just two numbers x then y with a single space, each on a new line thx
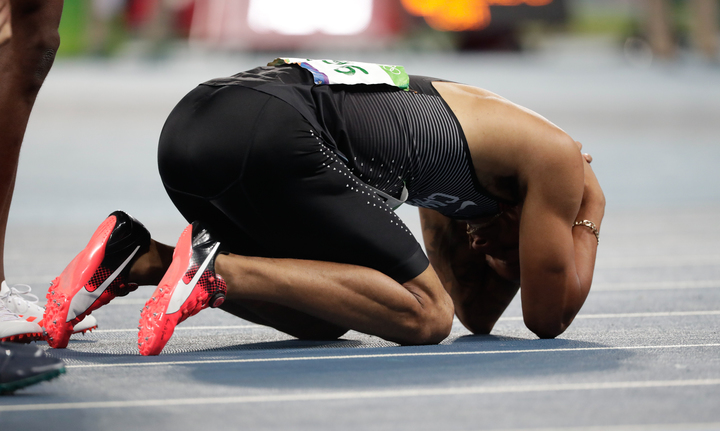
546 329
479 326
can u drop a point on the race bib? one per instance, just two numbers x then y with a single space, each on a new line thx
350 72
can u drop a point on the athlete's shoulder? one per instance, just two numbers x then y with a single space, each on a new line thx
464 91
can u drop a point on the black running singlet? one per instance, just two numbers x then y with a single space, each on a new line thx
405 144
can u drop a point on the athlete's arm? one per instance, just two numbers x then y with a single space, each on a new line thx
556 260
556 187
479 294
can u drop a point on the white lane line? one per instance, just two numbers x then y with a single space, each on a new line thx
626 315
367 394
657 285
598 287
183 328
650 314
510 318
633 427
658 262
388 355
632 261
644 285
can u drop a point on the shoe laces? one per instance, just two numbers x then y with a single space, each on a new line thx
7 315
18 299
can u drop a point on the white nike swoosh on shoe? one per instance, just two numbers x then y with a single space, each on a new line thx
182 290
84 298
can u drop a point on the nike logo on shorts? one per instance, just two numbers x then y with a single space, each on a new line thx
85 298
183 290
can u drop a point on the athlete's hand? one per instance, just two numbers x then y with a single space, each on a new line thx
592 206
5 24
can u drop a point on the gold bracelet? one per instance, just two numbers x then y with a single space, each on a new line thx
591 225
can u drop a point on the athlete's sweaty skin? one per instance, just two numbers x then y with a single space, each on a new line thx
520 158
523 158
28 41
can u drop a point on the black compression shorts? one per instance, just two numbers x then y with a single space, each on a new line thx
252 168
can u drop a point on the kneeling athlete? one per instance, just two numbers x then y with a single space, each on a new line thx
290 173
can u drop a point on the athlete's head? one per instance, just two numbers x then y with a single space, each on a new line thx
498 238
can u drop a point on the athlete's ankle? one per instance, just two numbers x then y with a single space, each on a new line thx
150 267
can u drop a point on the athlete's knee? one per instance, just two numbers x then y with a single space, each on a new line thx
44 49
430 320
428 324
36 37
34 65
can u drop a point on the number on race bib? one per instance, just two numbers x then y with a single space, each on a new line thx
350 72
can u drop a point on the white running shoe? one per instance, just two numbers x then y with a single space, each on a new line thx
15 328
18 300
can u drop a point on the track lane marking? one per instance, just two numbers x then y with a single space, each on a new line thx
183 328
386 355
598 287
368 394
629 427
650 314
626 315
656 285
658 261
510 318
